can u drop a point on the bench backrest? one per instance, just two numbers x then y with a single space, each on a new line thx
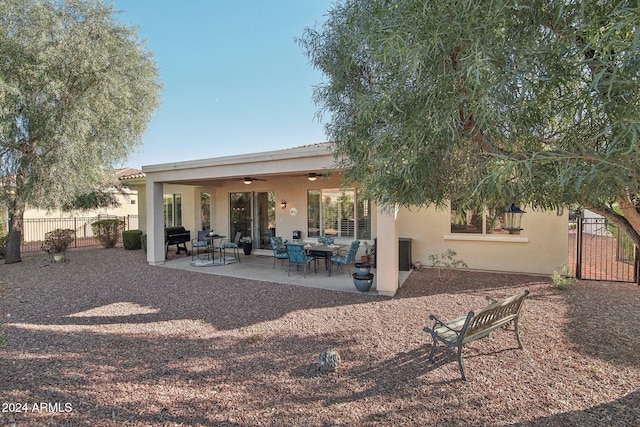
482 322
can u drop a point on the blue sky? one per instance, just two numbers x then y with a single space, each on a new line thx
235 81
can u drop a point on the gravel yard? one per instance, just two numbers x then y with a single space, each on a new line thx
106 340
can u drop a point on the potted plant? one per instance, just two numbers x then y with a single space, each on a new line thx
58 241
247 244
369 251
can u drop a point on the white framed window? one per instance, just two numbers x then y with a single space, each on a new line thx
468 221
338 213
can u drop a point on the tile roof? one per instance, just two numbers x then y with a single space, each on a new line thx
129 173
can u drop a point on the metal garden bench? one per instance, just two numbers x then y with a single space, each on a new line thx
475 325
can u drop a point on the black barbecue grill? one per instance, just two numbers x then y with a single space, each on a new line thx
176 236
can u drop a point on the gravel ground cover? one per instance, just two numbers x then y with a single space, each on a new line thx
106 340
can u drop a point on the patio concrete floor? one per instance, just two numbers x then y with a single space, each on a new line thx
259 266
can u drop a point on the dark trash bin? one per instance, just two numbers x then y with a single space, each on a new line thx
404 254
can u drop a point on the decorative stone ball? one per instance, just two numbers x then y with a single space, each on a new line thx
328 360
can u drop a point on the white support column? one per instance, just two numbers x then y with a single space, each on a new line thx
155 223
387 275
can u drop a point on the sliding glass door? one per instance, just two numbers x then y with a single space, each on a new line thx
240 214
254 215
265 215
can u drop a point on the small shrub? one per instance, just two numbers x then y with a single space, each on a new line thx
3 244
59 239
563 279
131 239
107 231
446 263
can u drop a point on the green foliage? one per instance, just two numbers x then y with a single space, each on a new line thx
492 101
93 200
131 239
59 239
445 263
369 248
3 244
77 90
563 279
107 231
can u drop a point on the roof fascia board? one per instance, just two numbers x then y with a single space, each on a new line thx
244 159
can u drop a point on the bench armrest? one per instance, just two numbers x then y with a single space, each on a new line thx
438 322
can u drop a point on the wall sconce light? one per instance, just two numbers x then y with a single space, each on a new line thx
283 204
248 181
312 177
513 219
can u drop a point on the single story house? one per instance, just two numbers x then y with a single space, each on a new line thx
298 190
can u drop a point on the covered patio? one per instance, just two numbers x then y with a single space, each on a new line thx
259 266
294 194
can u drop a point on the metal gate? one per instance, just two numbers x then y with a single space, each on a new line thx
603 251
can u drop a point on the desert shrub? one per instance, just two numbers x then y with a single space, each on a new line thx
445 263
107 231
59 239
563 279
131 239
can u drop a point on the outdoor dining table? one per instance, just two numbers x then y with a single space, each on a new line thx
210 239
323 251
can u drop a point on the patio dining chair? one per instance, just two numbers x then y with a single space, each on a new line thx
279 250
234 245
326 240
200 245
348 258
298 257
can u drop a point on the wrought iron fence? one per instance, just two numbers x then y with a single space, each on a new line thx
34 230
604 252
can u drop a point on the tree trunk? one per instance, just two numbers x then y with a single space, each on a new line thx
16 220
628 222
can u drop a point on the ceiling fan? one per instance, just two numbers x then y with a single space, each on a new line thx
312 176
248 179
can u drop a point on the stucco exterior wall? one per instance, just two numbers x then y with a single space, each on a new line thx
541 247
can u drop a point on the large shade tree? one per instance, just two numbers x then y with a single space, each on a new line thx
77 90
535 102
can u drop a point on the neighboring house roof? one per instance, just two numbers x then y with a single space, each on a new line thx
129 173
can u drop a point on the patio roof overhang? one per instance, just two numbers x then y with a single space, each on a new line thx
297 161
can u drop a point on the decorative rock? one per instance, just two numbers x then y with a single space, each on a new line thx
328 360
